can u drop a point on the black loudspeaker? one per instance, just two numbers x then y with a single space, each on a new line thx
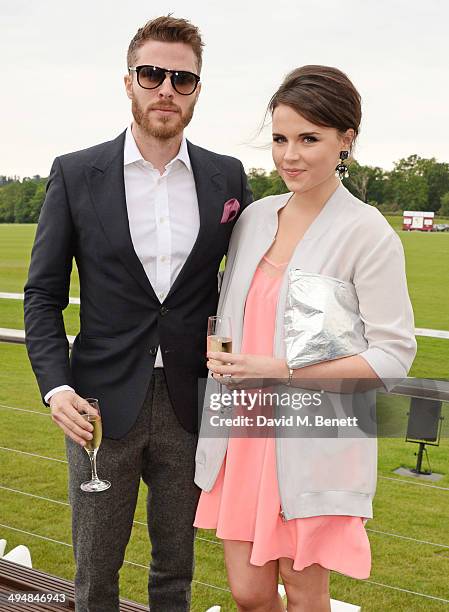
424 420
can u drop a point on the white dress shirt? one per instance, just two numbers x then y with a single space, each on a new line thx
163 218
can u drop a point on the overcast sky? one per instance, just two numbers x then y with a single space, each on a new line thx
62 66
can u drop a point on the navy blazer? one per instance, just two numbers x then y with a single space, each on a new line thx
122 322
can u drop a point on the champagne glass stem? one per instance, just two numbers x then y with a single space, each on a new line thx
220 392
93 463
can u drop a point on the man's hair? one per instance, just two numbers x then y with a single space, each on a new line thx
167 29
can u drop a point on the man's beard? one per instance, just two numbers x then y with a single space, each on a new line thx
163 128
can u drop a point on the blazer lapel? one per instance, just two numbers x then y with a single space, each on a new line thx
210 190
107 187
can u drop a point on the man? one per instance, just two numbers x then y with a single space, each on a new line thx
147 217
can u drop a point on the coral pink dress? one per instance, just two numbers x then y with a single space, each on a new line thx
244 502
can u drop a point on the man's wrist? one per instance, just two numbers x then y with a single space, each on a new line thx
55 390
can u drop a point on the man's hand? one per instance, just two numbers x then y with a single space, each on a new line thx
65 412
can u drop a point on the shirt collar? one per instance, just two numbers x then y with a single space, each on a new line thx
183 155
132 154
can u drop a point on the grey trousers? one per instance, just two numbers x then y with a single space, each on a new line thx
162 452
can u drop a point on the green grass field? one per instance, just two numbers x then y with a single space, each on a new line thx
427 260
409 535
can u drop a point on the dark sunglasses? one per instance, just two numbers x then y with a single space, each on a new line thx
150 77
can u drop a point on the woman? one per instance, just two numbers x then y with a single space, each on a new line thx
296 507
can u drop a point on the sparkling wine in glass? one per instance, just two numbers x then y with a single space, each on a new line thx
93 416
219 338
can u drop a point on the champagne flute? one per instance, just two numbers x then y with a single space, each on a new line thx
219 338
93 416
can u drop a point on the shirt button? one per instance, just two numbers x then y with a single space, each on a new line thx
161 296
161 220
163 258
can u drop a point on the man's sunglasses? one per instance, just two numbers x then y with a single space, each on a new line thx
150 77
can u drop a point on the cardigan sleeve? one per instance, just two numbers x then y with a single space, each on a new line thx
385 308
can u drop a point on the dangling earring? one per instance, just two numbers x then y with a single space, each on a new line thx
342 169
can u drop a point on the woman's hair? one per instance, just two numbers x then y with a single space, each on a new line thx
323 95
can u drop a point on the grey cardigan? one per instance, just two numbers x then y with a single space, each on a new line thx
352 241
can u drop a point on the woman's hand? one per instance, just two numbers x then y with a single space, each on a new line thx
231 369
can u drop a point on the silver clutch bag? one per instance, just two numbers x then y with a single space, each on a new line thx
322 319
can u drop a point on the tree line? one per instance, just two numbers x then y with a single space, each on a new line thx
21 200
415 183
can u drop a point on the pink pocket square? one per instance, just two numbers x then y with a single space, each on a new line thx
230 210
